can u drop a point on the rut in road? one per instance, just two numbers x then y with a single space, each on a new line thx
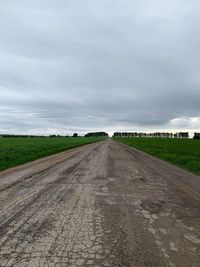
106 205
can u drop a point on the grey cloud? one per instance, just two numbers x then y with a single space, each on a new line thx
81 65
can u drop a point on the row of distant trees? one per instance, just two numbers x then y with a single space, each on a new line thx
27 136
196 136
97 134
93 134
157 134
117 134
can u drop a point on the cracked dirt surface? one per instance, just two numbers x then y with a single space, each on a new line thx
103 204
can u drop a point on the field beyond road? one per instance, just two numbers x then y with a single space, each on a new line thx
184 153
17 150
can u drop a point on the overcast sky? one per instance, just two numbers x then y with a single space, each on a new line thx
81 65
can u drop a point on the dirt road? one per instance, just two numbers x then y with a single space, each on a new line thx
99 205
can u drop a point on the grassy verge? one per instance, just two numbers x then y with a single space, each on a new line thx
184 153
16 151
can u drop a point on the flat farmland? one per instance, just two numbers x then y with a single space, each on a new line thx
184 153
16 150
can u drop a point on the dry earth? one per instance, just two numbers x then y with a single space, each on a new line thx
103 204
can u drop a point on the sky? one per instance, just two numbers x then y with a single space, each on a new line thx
88 65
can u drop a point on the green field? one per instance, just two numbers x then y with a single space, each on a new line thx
17 150
184 153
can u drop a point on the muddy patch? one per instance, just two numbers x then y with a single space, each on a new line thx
66 195
153 206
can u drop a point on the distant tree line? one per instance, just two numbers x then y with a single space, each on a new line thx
116 134
28 136
19 135
96 134
196 136
149 135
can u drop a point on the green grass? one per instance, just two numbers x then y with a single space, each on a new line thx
17 150
184 153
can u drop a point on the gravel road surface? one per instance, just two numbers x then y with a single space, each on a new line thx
103 204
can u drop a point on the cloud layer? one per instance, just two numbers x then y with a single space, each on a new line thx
86 65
